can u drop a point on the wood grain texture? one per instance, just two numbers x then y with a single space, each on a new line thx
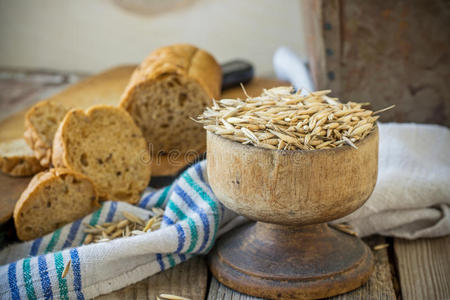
314 32
188 279
287 262
287 187
299 190
10 190
20 89
379 286
424 268
358 48
218 291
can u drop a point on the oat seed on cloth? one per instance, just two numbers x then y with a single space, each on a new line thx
411 200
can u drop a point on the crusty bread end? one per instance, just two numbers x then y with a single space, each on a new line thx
17 159
41 122
52 199
172 85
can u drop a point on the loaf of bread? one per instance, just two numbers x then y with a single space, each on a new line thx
171 85
17 159
41 122
52 199
106 145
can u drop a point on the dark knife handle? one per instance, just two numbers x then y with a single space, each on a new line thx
236 72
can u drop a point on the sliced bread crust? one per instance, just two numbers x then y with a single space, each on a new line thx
52 199
171 85
41 122
17 159
104 144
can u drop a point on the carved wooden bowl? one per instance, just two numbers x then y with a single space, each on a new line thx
290 252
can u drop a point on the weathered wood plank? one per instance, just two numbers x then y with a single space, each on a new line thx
424 268
348 40
379 286
189 279
10 190
20 89
220 292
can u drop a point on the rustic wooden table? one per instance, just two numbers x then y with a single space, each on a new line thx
417 269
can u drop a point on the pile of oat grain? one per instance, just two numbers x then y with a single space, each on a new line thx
281 118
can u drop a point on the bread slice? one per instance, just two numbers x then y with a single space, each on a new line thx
17 159
106 145
41 122
171 85
52 199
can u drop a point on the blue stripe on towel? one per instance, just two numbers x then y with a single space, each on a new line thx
35 246
72 233
203 217
205 197
160 261
45 279
181 238
181 216
199 170
146 199
76 273
111 212
168 220
13 281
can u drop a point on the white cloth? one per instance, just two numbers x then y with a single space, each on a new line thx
412 196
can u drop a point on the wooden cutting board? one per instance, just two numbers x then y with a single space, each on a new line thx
104 88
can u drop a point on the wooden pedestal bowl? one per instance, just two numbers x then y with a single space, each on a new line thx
290 252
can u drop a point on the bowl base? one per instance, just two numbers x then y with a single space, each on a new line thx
290 262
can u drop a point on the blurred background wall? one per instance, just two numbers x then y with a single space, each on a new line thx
89 36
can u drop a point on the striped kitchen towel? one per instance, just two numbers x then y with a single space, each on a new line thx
191 222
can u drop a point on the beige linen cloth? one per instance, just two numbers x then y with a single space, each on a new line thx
412 196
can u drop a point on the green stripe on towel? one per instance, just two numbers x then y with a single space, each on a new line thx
205 197
62 282
93 221
162 197
171 260
95 217
53 240
31 294
180 215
